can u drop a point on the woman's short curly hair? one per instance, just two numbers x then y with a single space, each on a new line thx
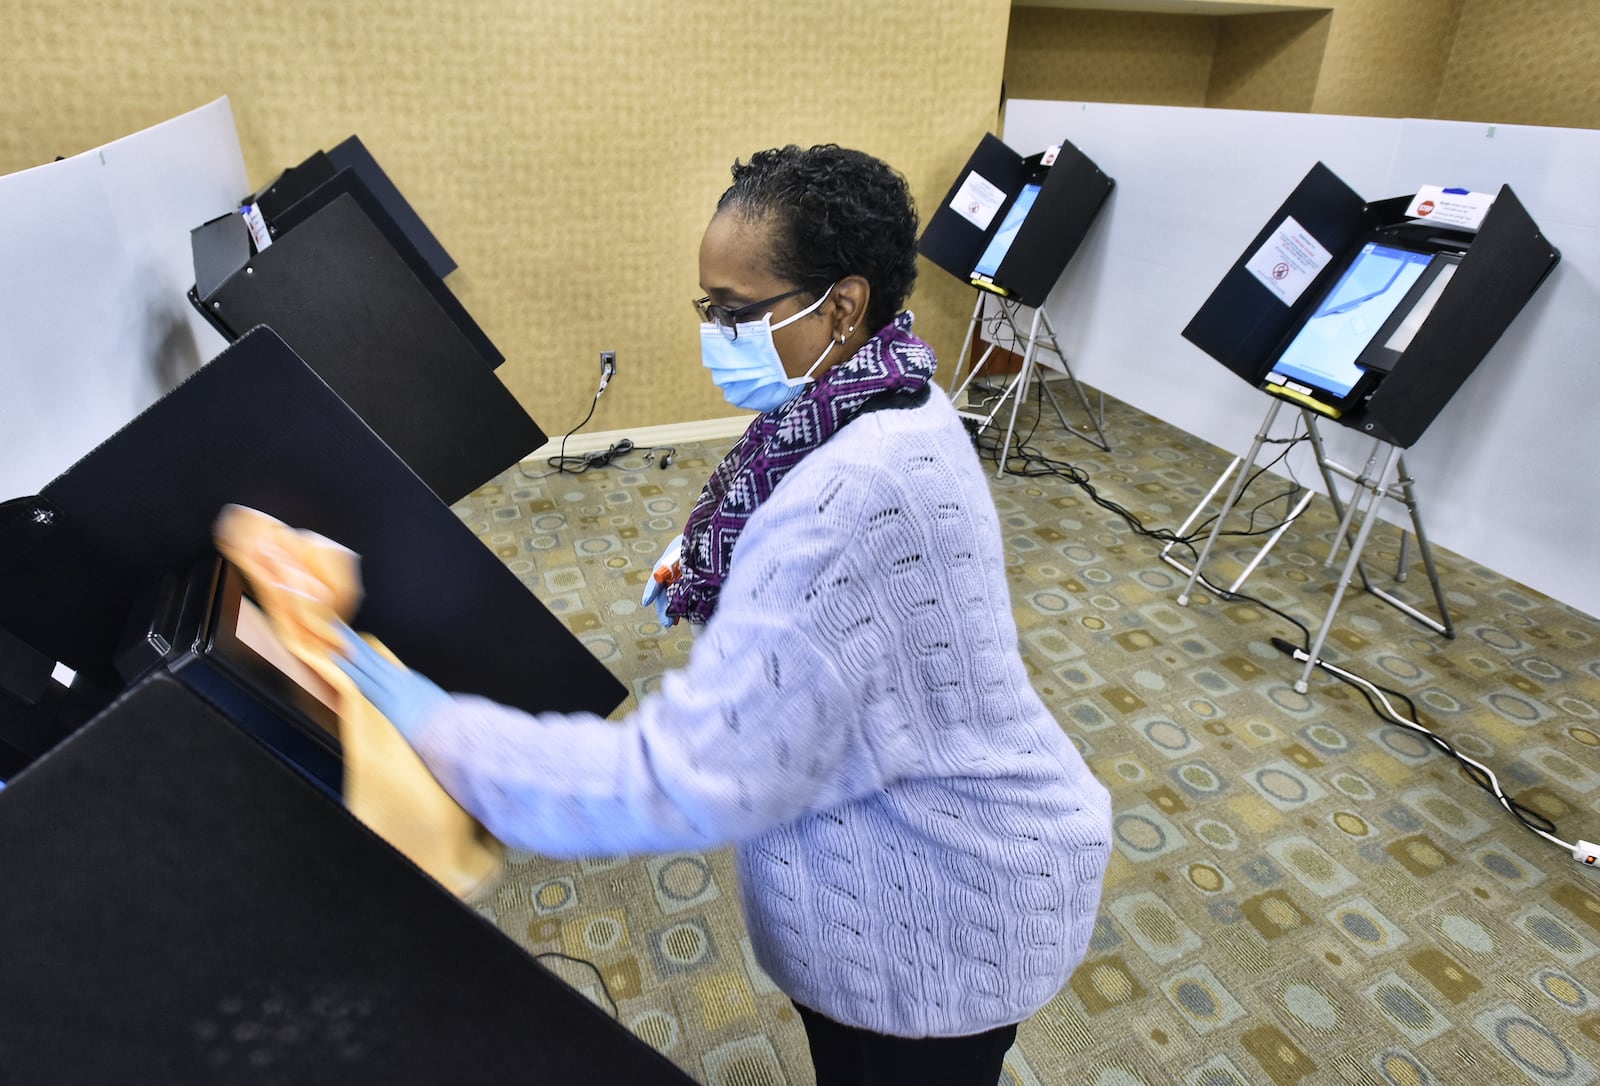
837 212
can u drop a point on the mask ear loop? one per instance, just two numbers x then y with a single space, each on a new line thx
825 351
806 312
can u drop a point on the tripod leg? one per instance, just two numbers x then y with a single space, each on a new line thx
1272 540
1408 497
1232 499
1376 484
1022 389
1362 480
1183 529
1097 421
1324 466
976 367
956 384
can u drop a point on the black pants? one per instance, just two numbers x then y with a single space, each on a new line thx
847 1056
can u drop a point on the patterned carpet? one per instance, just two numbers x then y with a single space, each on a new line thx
1299 893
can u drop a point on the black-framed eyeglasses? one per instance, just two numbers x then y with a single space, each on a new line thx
728 319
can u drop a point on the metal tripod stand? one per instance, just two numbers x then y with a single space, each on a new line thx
1017 388
1372 483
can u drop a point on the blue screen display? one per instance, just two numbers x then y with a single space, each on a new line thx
1323 353
998 245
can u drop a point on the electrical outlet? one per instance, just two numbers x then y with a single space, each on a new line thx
608 363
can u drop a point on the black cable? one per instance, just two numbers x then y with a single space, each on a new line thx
1478 774
559 461
1034 464
611 456
669 453
615 1011
1295 488
1031 463
1305 632
1372 692
1079 478
562 464
599 458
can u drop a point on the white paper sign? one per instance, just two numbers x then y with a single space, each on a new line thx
257 226
1288 261
1460 208
977 200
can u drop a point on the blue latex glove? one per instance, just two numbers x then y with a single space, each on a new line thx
400 694
667 569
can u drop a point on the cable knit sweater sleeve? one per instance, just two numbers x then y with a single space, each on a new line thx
757 730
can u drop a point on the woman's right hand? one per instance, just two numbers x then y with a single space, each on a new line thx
401 695
668 568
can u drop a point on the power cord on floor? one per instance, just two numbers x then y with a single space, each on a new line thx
562 464
1031 463
615 1011
558 463
607 457
1377 696
1585 852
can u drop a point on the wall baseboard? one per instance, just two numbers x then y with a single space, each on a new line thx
643 437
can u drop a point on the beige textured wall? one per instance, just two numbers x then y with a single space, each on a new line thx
1268 61
1512 61
1525 62
1386 59
568 155
1100 56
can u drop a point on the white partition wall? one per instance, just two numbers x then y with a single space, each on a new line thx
1509 474
94 322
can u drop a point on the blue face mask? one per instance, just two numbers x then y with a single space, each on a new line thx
748 369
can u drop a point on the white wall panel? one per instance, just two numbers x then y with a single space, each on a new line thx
95 264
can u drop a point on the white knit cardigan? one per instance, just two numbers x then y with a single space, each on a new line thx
920 846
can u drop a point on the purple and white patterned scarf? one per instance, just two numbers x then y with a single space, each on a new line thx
893 362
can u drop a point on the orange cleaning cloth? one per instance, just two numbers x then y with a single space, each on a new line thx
303 582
